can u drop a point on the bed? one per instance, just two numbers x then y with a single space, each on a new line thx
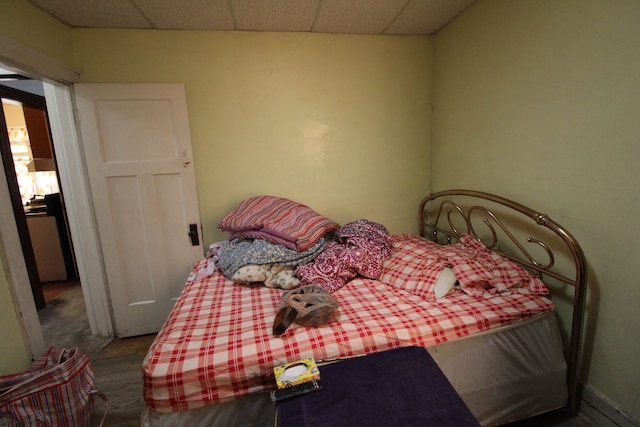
500 347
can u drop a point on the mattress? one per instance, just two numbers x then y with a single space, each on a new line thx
503 374
217 345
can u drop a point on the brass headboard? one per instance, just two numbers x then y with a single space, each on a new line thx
525 236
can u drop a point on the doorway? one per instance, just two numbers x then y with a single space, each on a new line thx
29 164
38 204
58 80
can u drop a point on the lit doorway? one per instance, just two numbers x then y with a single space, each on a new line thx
32 178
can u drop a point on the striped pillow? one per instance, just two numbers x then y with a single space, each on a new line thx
277 220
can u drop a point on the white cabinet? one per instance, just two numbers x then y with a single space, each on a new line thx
45 241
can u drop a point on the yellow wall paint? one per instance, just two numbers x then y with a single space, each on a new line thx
22 21
340 123
538 101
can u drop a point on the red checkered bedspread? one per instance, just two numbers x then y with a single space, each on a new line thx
217 343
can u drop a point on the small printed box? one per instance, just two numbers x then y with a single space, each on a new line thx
295 373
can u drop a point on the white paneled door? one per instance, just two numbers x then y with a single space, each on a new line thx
139 160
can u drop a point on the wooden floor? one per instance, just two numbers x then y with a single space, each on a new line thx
119 377
52 290
117 363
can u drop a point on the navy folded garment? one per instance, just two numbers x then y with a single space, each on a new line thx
402 387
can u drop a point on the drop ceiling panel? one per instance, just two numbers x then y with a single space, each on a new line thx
274 15
187 15
95 13
426 16
357 16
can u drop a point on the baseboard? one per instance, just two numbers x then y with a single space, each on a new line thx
601 412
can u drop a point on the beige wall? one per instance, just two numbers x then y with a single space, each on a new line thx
538 101
338 122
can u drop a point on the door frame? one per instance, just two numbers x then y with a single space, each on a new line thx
80 212
58 79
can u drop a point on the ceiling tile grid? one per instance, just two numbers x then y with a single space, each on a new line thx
405 17
426 16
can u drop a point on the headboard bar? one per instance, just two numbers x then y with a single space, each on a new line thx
437 215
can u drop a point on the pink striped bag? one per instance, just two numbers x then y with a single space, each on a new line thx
56 391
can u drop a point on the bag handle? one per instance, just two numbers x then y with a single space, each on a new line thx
105 403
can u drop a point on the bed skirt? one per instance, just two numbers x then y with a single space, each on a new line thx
512 373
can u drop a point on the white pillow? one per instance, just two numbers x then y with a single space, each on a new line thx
445 283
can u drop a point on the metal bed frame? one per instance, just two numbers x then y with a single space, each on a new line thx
447 215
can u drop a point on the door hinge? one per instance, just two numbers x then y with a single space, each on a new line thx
76 116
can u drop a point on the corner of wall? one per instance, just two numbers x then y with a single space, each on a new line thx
601 411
